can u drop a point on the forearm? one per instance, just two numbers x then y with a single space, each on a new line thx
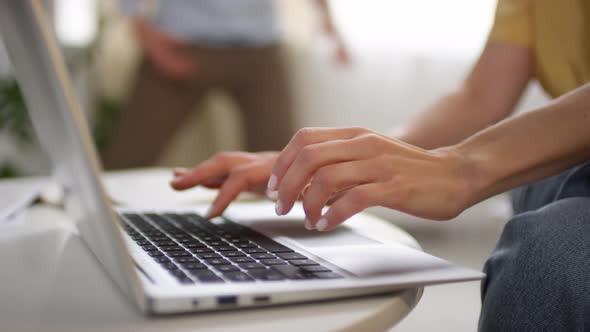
326 19
487 95
448 121
529 147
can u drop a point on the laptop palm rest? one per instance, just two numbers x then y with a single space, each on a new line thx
361 256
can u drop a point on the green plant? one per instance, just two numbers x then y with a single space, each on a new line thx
14 120
107 113
13 112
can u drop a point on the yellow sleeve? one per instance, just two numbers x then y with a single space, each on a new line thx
513 22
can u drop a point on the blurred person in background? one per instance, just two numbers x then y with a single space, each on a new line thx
191 47
463 149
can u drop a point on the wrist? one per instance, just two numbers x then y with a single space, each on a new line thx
471 177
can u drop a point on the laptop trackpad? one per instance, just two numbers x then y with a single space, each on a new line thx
294 231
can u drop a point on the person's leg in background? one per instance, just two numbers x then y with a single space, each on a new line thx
154 110
537 276
262 92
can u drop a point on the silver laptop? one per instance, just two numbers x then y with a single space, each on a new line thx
175 260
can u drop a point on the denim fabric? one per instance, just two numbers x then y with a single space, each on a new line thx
538 276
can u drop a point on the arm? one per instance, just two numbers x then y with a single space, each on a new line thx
341 54
487 95
363 169
531 146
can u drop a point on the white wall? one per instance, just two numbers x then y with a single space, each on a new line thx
406 54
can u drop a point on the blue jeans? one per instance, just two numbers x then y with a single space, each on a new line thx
538 276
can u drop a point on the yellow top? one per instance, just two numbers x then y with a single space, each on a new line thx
557 31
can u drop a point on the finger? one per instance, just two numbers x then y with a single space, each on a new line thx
303 138
313 157
332 180
352 202
209 169
180 171
336 196
214 183
239 180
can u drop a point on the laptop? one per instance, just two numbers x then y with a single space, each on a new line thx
175 260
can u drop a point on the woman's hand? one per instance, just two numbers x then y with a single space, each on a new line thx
356 168
231 173
170 56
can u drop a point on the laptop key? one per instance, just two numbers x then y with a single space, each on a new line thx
252 266
155 253
178 254
288 256
185 280
209 255
241 260
272 261
177 273
245 245
266 274
206 276
186 260
216 243
315 268
293 272
217 261
170 266
233 254
226 268
195 244
238 276
264 256
162 259
149 248
164 243
201 250
303 262
224 248
143 242
194 266
171 248
255 250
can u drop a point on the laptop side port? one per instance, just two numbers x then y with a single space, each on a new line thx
195 303
261 299
227 300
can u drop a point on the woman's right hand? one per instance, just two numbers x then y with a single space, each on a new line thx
231 173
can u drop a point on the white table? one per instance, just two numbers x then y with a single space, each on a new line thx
50 282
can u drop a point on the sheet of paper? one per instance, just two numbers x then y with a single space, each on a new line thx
17 194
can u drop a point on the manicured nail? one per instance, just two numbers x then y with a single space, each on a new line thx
272 194
322 224
179 170
208 213
307 224
279 208
272 183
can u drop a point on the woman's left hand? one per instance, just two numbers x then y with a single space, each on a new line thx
355 168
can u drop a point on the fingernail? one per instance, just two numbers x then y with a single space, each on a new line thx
322 224
272 194
307 224
272 182
208 214
180 170
279 208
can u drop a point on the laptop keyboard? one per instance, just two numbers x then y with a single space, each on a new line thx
194 249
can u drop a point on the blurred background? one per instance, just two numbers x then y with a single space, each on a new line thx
378 63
